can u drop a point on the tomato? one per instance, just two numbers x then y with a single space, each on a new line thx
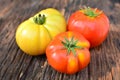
34 34
68 52
93 24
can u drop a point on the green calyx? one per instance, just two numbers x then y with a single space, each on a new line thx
71 45
40 19
91 12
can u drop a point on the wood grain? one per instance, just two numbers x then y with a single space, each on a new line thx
16 65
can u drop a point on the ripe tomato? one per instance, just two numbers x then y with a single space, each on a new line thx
93 24
34 34
68 52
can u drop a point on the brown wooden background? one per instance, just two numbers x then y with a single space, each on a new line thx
15 65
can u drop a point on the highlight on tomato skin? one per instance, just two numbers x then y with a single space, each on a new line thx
68 53
92 23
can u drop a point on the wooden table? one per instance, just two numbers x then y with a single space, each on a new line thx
16 65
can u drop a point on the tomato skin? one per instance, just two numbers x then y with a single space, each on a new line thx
33 38
59 58
94 29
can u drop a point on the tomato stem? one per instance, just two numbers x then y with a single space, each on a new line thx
91 12
71 45
40 19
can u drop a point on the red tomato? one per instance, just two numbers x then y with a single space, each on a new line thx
68 52
93 24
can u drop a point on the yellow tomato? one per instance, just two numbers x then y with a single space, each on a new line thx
34 34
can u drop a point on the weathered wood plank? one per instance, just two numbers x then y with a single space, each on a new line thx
16 65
